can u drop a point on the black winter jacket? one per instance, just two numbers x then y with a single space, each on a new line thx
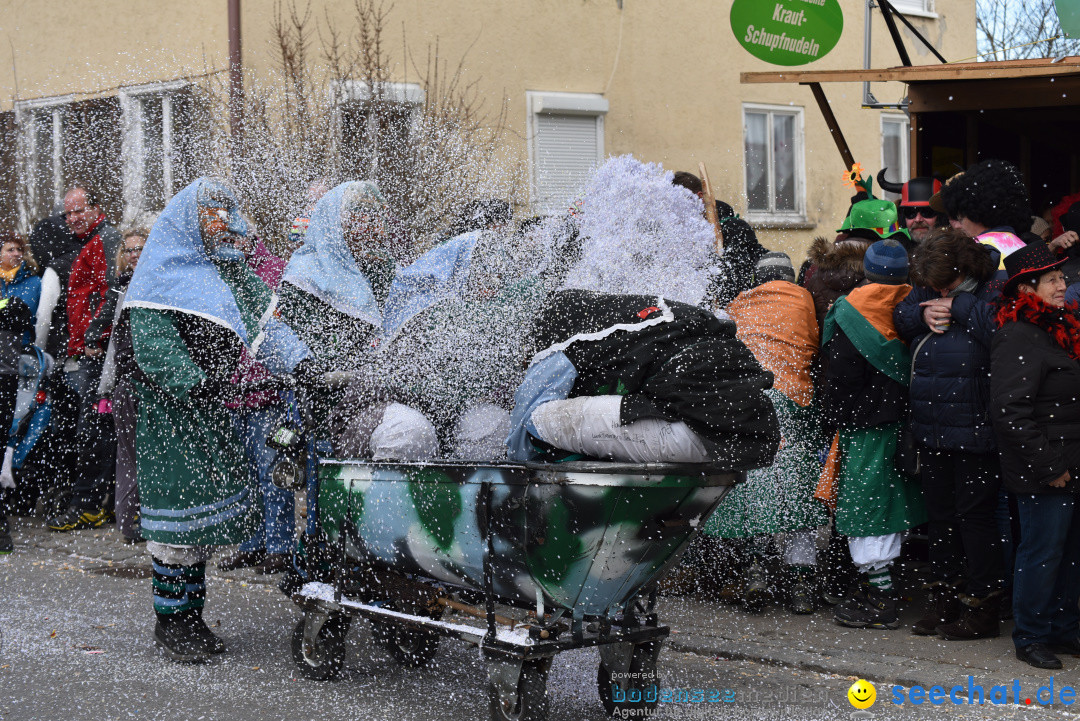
856 394
950 388
1035 387
742 251
689 368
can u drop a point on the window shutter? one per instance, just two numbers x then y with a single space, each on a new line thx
565 156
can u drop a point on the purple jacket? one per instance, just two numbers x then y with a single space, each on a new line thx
269 268
266 265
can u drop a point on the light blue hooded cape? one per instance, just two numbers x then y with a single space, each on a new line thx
325 268
174 273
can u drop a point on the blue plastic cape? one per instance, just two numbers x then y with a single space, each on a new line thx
174 273
324 266
437 274
551 379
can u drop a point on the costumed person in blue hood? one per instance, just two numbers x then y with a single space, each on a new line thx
457 322
335 287
193 306
349 294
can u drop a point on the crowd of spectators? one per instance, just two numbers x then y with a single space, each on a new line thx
945 407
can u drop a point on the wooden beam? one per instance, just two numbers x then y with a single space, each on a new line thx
834 126
1025 158
914 147
995 94
1041 67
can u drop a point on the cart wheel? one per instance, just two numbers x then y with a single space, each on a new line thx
412 648
324 662
532 702
638 693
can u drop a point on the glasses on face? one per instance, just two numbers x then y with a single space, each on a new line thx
911 211
79 211
133 251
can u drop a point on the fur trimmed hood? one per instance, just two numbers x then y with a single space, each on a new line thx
845 256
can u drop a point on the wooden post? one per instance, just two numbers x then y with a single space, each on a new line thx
236 74
710 207
834 127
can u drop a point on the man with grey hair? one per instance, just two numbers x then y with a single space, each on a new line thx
92 274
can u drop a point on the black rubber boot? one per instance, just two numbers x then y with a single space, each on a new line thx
942 607
756 592
801 593
176 636
868 607
211 642
979 618
195 578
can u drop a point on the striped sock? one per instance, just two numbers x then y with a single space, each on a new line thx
195 577
881 579
170 588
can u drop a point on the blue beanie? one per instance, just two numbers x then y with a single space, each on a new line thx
886 262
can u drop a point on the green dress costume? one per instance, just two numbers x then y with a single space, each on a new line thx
779 498
196 484
874 498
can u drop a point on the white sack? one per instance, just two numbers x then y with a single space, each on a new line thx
480 433
590 425
404 434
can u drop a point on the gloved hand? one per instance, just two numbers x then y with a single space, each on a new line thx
210 390
823 455
7 478
307 375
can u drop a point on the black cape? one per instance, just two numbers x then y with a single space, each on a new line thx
672 361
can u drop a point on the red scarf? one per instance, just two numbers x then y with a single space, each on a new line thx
93 228
1061 324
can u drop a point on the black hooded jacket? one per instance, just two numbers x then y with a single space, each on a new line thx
668 360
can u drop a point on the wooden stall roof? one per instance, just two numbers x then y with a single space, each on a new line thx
997 70
1035 83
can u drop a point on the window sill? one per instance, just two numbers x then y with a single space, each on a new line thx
775 223
919 14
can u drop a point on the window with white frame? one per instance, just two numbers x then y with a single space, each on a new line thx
566 143
373 127
41 143
155 146
895 150
775 174
914 7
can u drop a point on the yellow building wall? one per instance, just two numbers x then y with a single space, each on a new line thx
670 70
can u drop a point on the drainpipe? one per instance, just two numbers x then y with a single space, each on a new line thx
236 74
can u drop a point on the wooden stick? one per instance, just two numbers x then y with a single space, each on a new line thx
710 207
473 611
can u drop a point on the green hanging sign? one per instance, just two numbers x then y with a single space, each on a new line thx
1069 14
787 32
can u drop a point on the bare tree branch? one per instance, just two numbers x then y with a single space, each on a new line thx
1011 30
429 160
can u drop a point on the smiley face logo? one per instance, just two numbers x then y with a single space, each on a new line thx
862 694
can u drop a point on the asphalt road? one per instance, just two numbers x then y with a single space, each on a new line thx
76 645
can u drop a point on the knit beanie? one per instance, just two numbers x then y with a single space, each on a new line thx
774 266
886 262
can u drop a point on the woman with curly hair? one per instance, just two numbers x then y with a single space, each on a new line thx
991 204
948 321
1035 393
